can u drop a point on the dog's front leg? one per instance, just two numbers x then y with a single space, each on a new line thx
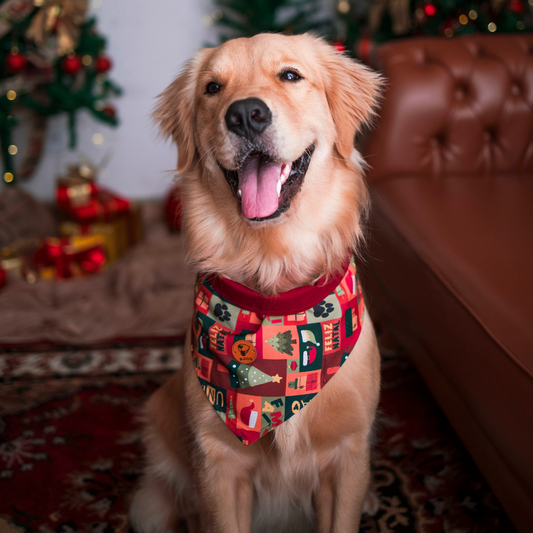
227 500
341 493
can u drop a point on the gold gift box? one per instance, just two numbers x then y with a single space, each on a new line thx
119 234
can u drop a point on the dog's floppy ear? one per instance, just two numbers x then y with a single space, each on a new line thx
353 92
174 111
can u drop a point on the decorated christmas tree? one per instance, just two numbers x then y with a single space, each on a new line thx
357 25
374 21
245 18
231 410
54 62
282 342
247 376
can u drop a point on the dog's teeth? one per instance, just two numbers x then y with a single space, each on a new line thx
279 188
285 171
239 194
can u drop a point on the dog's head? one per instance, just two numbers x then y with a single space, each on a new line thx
258 111
265 132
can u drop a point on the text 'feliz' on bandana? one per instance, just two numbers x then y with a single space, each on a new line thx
262 359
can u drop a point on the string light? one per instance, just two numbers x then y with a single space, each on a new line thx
343 6
492 27
448 32
520 25
463 19
11 95
8 177
207 20
472 14
217 14
87 60
98 138
12 149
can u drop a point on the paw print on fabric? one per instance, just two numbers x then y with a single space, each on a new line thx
323 309
222 313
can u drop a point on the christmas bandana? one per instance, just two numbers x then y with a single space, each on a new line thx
262 359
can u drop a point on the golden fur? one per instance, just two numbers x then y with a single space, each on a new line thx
312 472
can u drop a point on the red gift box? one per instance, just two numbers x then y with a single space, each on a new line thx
70 257
88 202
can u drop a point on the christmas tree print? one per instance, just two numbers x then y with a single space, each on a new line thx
282 342
231 410
242 376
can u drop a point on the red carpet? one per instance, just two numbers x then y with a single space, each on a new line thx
70 453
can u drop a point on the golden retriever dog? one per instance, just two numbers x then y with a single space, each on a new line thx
274 200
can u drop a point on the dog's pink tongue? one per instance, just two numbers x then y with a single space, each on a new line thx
258 183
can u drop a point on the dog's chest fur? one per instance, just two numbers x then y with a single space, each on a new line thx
284 482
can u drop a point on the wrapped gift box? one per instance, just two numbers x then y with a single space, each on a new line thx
70 257
16 261
119 233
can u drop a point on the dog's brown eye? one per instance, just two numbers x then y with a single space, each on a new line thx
290 75
212 88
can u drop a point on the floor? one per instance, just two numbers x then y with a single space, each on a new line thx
70 450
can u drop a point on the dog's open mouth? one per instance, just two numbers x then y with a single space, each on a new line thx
265 187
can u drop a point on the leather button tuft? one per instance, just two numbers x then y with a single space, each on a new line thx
489 135
516 88
461 92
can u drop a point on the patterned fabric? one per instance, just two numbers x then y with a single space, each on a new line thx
258 369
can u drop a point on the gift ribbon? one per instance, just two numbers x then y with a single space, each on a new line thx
86 202
102 206
63 255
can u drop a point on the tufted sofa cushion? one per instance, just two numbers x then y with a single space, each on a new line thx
450 259
466 107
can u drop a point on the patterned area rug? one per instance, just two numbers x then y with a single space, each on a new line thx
70 452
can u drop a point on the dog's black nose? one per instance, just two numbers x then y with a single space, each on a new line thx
248 118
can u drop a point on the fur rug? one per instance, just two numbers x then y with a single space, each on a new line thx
146 293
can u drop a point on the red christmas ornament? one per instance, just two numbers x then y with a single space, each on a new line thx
102 64
339 47
173 209
15 62
71 65
430 10
109 110
517 6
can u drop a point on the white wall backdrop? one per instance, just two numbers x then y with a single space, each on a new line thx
148 41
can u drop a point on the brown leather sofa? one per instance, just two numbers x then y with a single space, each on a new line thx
450 258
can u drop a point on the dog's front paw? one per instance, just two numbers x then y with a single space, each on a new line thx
149 513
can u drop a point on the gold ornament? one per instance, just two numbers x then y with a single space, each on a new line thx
65 16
